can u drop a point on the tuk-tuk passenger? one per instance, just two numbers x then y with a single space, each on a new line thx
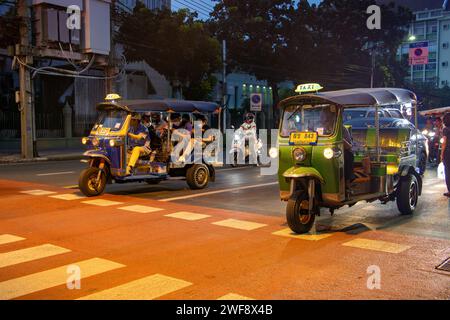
139 140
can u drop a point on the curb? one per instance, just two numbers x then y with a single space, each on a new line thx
66 157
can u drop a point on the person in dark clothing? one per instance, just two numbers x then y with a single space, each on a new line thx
445 154
349 158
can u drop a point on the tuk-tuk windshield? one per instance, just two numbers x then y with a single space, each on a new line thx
111 119
309 118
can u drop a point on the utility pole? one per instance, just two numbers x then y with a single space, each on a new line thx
224 83
23 50
372 68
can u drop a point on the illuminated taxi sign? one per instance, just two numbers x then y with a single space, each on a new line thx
112 97
308 87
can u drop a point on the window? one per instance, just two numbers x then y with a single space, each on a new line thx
445 64
430 66
445 45
419 29
418 68
446 27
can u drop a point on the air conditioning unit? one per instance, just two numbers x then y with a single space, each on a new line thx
50 24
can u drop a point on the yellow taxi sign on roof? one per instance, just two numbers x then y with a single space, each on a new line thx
112 97
308 87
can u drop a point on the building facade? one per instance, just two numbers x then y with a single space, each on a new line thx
433 26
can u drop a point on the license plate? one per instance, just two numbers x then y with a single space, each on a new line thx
303 138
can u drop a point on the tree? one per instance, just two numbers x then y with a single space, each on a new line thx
9 25
344 43
174 43
256 36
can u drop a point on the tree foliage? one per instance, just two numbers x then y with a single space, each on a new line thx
329 43
174 43
9 25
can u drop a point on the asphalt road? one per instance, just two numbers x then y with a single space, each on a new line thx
229 241
245 189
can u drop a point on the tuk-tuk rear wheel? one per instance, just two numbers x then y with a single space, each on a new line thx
297 215
408 194
88 183
197 176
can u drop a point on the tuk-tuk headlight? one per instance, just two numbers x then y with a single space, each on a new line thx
441 141
425 132
84 140
112 143
95 142
328 153
299 154
273 152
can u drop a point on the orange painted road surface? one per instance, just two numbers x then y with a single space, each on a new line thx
123 247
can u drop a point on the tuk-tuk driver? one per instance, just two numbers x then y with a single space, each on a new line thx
139 140
327 121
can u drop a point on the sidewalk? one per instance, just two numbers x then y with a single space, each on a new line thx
44 155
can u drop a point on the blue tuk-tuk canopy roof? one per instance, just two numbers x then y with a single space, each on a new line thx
160 106
358 97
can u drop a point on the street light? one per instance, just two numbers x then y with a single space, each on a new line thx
412 38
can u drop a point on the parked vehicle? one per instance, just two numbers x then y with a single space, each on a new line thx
395 123
109 147
383 112
311 155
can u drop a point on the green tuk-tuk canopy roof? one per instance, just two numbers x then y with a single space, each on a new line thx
160 106
357 97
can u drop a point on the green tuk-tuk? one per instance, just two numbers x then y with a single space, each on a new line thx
311 155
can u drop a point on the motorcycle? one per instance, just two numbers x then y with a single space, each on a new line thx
434 146
240 151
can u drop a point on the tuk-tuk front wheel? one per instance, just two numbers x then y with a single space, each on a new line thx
90 183
408 194
298 217
197 176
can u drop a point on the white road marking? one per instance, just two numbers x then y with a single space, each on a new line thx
140 209
102 203
8 238
68 196
190 216
311 237
38 192
376 245
21 286
195 195
231 169
239 224
54 173
234 296
30 254
147 288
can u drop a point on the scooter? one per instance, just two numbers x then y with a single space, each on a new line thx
240 150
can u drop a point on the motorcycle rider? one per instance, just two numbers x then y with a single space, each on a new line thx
249 130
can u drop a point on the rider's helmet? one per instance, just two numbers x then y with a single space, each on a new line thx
249 117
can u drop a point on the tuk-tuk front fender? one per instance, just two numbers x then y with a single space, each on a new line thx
303 172
97 154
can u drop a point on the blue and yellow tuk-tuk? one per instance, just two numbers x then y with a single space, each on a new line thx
312 155
109 146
